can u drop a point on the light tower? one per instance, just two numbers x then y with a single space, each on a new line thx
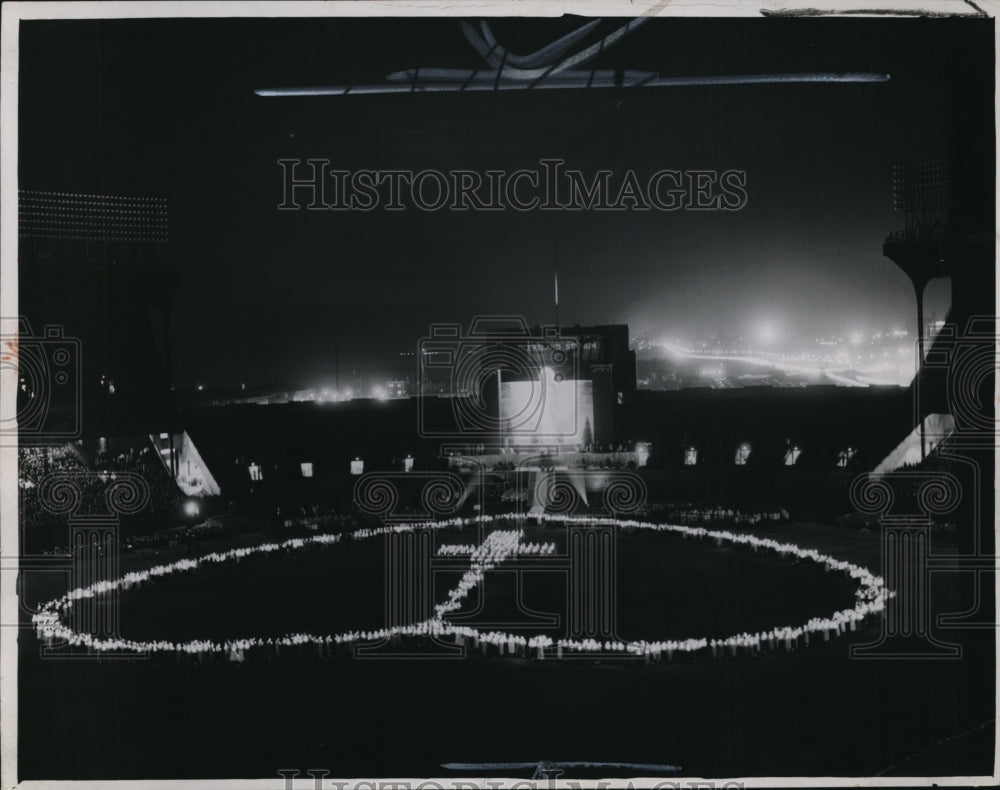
920 249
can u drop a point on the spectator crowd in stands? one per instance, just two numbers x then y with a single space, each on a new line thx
91 470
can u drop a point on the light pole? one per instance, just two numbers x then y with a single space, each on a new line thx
920 192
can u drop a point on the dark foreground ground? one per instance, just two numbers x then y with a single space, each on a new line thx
811 712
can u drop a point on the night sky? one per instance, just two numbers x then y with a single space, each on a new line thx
166 108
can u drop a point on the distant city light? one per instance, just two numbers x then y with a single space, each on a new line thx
767 333
855 358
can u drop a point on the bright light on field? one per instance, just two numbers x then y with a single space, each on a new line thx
191 508
767 332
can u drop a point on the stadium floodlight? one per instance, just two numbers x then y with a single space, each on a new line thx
920 186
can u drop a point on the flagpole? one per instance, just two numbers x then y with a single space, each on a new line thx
555 275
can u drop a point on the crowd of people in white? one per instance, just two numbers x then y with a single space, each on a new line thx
696 514
463 549
499 545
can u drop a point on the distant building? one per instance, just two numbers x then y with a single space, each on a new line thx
397 388
606 360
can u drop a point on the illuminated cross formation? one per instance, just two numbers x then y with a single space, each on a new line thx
589 566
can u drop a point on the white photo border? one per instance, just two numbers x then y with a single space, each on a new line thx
14 12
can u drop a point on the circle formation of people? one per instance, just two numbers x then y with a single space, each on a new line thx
499 545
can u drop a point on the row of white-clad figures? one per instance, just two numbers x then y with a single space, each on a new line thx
495 643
